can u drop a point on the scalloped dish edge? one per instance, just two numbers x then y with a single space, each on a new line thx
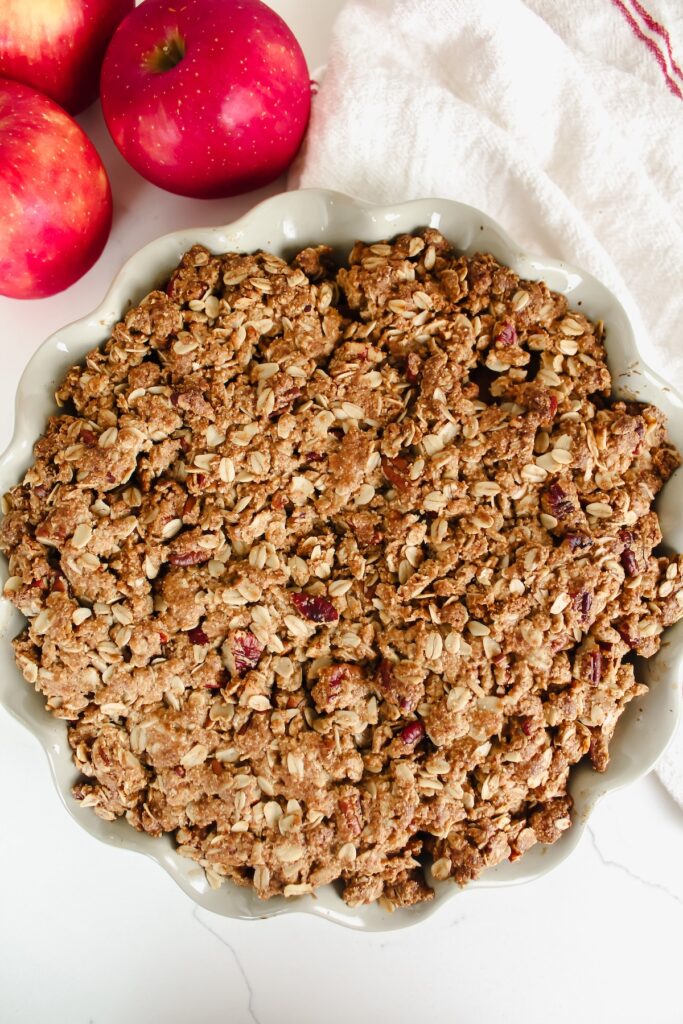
284 222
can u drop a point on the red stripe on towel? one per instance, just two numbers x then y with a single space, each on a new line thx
659 30
652 47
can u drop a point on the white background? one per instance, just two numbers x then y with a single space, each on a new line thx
92 934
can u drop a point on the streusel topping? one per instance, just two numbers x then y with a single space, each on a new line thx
334 574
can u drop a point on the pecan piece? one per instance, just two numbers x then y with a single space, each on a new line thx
397 472
188 557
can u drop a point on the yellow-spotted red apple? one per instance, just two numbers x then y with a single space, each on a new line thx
57 46
206 98
55 200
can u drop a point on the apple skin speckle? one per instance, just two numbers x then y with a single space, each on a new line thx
207 98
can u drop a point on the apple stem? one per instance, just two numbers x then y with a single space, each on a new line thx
166 55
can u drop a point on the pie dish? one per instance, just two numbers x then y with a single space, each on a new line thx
454 232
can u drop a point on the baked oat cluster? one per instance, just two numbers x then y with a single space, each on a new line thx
336 573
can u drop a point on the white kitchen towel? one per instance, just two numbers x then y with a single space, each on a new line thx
563 121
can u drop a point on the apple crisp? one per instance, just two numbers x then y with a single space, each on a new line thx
334 573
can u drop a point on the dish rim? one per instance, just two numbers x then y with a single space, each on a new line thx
120 295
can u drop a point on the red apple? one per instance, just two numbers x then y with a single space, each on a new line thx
206 98
57 46
55 200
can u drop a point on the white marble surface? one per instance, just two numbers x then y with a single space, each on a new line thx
92 934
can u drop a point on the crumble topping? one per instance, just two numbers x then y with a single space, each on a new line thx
335 573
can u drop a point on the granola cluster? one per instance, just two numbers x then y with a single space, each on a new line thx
335 573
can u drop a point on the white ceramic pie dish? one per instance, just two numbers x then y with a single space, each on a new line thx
284 224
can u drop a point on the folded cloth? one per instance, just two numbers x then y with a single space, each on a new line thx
564 122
